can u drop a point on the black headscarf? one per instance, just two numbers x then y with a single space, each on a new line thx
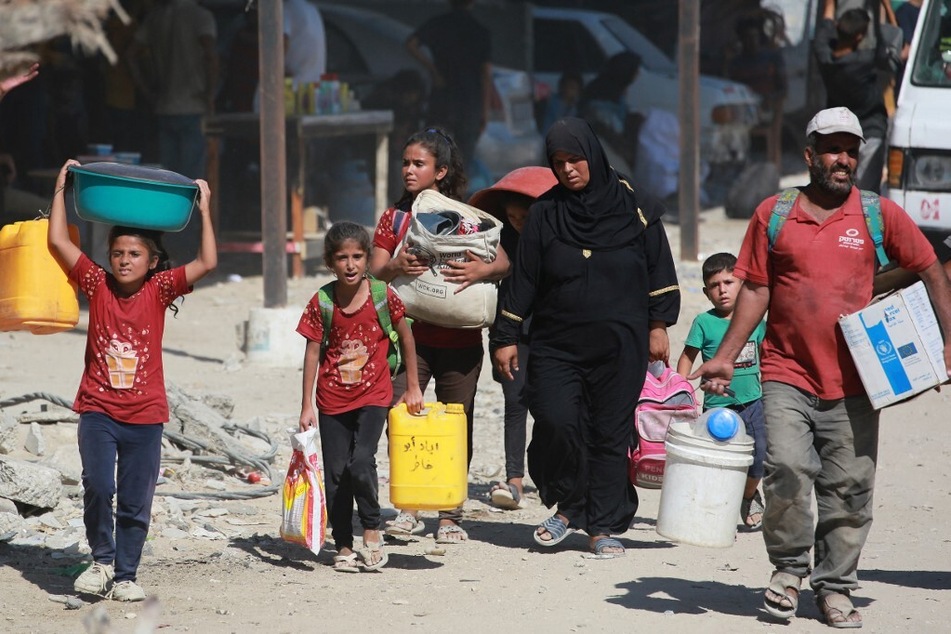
602 216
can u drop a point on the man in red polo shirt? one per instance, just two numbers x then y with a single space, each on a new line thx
822 433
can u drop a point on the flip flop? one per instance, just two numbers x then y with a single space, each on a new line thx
749 507
451 534
838 611
556 528
394 527
367 555
601 547
346 563
781 583
506 496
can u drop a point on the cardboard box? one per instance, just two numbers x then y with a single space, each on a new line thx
896 344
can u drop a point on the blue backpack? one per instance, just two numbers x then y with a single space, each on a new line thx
871 209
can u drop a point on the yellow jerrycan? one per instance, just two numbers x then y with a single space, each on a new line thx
35 292
428 458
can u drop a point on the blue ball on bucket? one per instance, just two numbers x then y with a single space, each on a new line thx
722 423
133 196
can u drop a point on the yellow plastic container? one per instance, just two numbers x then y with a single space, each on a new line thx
35 292
428 463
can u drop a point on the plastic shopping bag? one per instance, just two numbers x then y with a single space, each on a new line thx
304 503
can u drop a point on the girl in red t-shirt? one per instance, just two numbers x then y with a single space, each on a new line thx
354 391
121 401
451 356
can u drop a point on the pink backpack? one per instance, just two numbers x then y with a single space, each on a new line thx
663 400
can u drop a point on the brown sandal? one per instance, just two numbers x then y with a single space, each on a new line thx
838 611
785 585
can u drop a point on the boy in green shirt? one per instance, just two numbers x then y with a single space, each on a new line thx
704 337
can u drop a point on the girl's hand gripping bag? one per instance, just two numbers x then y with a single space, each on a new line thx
304 504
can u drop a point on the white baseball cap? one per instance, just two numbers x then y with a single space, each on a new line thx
832 120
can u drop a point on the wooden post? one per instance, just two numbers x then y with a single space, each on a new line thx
273 153
689 62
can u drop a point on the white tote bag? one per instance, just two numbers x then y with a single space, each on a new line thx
429 297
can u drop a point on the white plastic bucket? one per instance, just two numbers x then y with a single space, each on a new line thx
272 339
703 488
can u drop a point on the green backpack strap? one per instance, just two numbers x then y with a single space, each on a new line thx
378 295
780 213
325 300
872 209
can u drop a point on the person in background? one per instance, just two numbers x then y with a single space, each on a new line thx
595 273
16 204
565 102
460 71
761 67
351 377
10 82
174 63
121 401
906 15
509 199
450 356
850 76
821 428
305 42
706 333
404 94
604 105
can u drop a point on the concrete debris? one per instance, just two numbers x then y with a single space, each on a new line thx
9 434
35 443
10 525
58 415
29 483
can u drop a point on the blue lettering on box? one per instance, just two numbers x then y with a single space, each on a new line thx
887 357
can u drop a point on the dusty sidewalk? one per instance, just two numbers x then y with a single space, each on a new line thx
238 576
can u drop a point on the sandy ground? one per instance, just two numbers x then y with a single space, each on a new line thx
498 581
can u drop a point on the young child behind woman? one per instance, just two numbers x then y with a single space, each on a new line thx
121 401
353 392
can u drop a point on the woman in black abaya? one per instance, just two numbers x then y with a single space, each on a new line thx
595 271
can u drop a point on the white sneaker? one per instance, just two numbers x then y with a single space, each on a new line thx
127 591
94 579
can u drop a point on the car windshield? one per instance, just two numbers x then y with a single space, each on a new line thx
651 57
933 59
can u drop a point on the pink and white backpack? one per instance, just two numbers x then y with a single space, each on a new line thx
664 399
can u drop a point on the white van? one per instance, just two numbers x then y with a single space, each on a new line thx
919 156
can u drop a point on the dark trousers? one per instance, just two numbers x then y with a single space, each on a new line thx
456 372
138 450
349 442
516 415
584 414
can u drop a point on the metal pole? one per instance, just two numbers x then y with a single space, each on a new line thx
273 153
689 61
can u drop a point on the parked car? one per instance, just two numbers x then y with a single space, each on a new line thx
365 48
584 40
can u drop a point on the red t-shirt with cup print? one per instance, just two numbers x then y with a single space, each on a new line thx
124 378
353 372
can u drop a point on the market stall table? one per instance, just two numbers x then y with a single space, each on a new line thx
299 130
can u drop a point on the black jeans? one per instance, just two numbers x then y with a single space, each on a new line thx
516 415
348 443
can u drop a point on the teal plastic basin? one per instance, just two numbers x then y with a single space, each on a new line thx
133 195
